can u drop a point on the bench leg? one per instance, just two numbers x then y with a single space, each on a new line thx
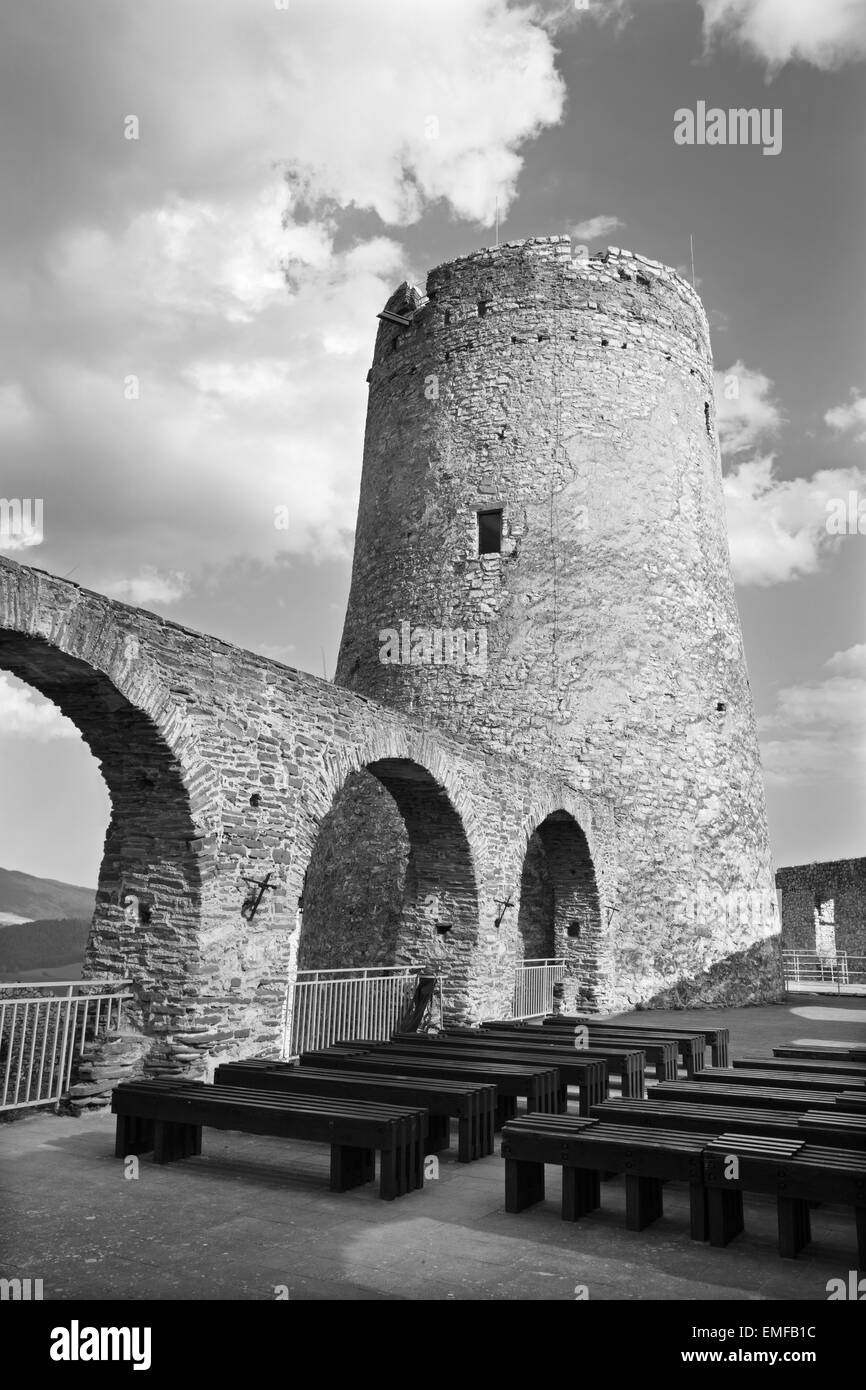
420 1147
794 1226
627 1087
860 1219
506 1109
486 1126
175 1141
350 1167
133 1135
643 1201
581 1192
468 1138
438 1134
388 1174
193 1141
724 1214
699 1228
562 1100
524 1184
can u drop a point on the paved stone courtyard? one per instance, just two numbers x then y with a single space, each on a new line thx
252 1214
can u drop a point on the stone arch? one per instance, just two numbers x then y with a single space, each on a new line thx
559 912
392 823
147 917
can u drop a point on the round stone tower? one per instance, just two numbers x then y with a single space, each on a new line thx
541 564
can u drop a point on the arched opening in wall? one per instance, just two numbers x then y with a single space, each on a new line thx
559 912
54 810
391 879
145 922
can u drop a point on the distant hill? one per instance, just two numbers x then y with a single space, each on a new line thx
35 899
45 946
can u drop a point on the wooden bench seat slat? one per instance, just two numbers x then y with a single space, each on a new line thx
770 1097
796 1080
853 1052
827 1066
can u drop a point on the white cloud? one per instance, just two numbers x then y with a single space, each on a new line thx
777 528
558 15
15 412
148 587
228 263
350 99
852 416
241 406
595 227
745 411
25 713
816 733
826 33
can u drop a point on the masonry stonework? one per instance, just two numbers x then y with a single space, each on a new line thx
222 766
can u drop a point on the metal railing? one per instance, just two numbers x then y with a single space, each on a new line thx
323 1006
820 972
43 1029
532 996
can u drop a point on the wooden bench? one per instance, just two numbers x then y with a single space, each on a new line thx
690 1045
806 1066
696 1118
586 1149
628 1063
539 1086
661 1053
796 1173
167 1117
841 1052
758 1075
833 1128
545 1079
471 1103
767 1097
851 1100
818 1126
576 1068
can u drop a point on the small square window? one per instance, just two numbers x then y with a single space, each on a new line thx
490 533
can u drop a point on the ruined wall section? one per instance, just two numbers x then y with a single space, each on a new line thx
834 890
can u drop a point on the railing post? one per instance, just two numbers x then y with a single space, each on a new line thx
65 1043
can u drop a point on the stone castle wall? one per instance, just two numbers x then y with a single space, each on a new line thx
222 766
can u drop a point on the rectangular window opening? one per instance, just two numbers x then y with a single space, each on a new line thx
490 532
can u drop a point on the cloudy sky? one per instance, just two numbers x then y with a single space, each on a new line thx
206 202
